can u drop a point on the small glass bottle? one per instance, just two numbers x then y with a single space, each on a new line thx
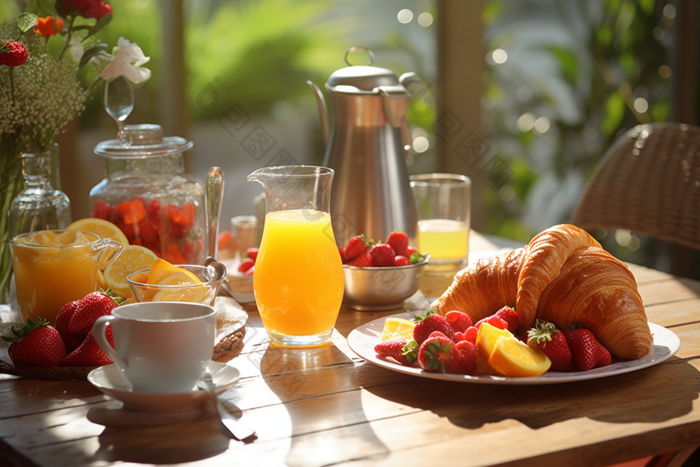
40 206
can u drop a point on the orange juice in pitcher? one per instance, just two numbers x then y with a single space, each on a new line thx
54 267
298 277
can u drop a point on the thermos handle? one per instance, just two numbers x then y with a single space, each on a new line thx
99 330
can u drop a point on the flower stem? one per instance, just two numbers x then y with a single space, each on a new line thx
69 35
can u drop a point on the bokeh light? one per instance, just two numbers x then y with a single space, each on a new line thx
405 16
425 19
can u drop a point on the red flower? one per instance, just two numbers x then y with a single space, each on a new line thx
95 9
13 54
48 26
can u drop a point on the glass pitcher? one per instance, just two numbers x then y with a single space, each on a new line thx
298 278
54 267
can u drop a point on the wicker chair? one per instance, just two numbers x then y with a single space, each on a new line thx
648 182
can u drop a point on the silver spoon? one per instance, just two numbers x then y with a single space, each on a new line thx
236 428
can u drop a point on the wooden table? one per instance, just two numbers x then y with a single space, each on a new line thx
325 406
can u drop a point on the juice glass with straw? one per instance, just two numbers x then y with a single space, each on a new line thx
298 279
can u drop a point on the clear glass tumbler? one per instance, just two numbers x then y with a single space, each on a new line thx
443 203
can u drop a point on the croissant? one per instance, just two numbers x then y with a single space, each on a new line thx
562 277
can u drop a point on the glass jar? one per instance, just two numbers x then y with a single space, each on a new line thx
148 195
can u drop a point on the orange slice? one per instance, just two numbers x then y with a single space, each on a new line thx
398 327
180 277
513 357
160 270
487 337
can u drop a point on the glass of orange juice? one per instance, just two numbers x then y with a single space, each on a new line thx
298 279
443 206
54 267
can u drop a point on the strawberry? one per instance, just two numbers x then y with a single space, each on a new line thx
253 253
394 348
37 344
362 261
507 315
587 352
547 338
494 321
467 356
245 265
357 246
470 334
410 250
90 307
382 255
459 336
401 261
398 241
458 320
249 272
429 323
342 255
439 354
63 318
89 353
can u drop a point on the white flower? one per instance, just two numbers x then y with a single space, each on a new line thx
76 48
127 63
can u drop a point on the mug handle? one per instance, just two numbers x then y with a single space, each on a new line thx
99 330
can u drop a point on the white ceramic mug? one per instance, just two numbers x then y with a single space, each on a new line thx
161 347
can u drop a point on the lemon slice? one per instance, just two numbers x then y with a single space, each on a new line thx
181 294
101 228
101 283
398 327
513 357
160 270
132 258
487 337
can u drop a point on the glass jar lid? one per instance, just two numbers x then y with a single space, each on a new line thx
147 140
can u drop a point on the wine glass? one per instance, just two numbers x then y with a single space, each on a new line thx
118 99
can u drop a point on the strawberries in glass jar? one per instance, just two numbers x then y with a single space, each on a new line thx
166 229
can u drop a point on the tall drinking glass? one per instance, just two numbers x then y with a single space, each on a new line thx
444 213
298 278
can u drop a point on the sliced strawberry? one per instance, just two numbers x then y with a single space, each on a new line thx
252 253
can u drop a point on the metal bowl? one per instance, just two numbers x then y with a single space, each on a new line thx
378 289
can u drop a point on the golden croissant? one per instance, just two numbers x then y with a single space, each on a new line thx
562 276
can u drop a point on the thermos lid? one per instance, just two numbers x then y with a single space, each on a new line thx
147 140
364 79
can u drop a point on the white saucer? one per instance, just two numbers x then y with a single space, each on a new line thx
110 380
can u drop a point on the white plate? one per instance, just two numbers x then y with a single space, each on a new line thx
363 339
112 382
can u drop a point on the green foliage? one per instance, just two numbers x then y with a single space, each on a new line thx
568 63
256 53
613 112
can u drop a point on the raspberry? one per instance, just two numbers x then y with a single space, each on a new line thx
13 54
